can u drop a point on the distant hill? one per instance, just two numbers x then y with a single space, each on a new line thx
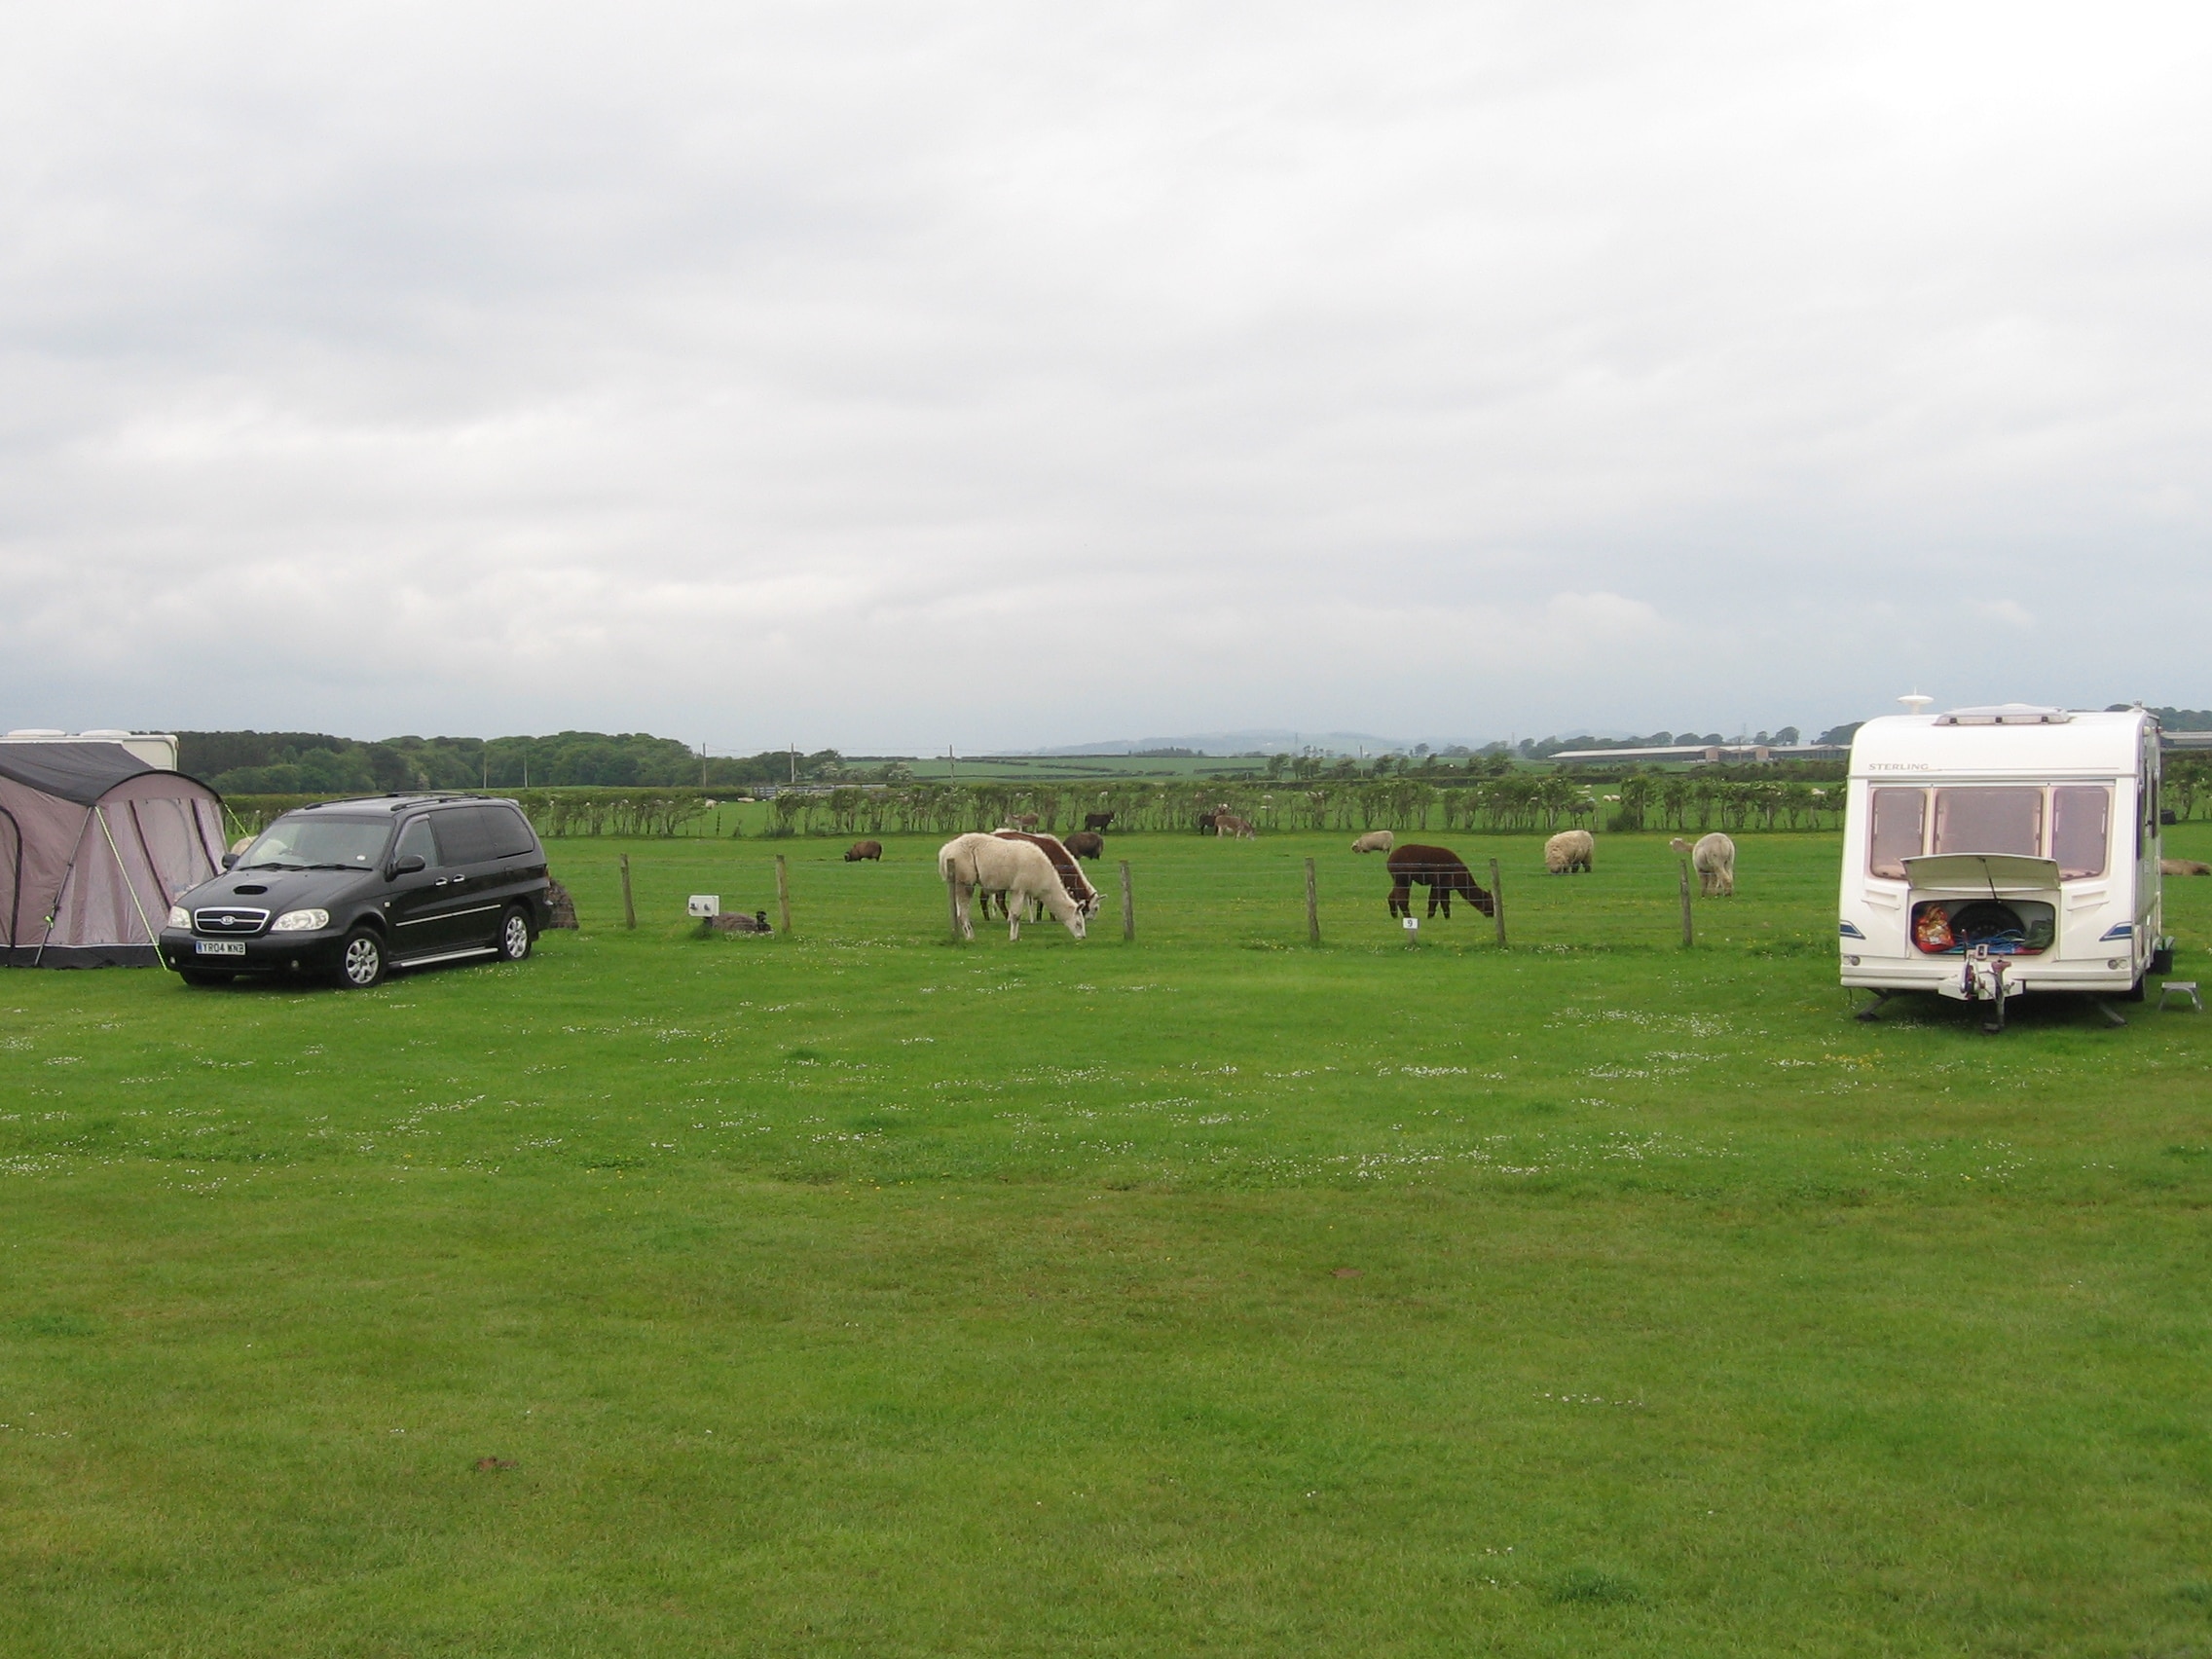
1267 740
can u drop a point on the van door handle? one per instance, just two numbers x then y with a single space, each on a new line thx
440 882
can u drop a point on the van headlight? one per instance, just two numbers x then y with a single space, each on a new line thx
301 921
179 916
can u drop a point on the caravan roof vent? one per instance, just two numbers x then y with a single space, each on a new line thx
2005 713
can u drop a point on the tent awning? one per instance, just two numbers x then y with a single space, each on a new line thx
81 772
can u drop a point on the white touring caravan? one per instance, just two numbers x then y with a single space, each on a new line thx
1990 852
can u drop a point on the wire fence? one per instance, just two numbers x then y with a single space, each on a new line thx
1156 890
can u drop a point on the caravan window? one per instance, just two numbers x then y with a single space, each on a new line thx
1897 831
2080 829
1989 821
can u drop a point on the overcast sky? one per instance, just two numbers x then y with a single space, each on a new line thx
891 376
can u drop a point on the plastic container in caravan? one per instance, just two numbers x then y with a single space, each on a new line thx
1989 852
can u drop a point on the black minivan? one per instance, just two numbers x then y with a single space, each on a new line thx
351 889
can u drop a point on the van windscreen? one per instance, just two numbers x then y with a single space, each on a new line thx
303 841
1989 821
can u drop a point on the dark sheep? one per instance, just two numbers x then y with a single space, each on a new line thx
864 850
1085 844
1098 821
1439 869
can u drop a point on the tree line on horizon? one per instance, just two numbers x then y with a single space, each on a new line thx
293 762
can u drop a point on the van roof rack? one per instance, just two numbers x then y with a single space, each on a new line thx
2005 713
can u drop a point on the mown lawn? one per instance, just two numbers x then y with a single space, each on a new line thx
862 1293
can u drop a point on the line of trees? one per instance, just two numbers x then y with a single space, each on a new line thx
1517 801
1733 799
304 762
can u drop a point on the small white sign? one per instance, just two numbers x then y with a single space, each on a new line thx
707 906
1412 924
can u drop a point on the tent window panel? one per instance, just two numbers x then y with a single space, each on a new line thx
1989 821
1898 830
2080 829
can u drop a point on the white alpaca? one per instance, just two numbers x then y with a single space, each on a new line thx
1375 841
1017 870
1570 850
1713 858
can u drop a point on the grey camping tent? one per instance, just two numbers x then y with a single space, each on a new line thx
96 845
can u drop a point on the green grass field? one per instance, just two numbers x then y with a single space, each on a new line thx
860 1293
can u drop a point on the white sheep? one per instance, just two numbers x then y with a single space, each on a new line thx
1570 850
1713 858
1375 841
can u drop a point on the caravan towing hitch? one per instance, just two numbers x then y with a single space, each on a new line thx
1985 981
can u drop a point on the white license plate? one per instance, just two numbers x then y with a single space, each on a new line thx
219 946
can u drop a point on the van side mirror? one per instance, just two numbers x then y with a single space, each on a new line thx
407 866
230 859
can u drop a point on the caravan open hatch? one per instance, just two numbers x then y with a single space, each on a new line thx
1982 872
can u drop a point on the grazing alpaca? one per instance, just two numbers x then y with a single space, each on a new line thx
1019 821
1713 858
1375 841
1439 869
1569 851
1229 823
1086 844
2183 867
860 850
1016 870
1071 873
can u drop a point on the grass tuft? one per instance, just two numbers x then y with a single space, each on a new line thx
1590 1586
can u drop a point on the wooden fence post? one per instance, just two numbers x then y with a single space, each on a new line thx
1498 902
952 905
1128 905
629 908
1687 939
783 893
1313 907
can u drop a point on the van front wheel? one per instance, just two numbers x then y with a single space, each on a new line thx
361 963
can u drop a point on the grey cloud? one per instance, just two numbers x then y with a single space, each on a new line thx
891 376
